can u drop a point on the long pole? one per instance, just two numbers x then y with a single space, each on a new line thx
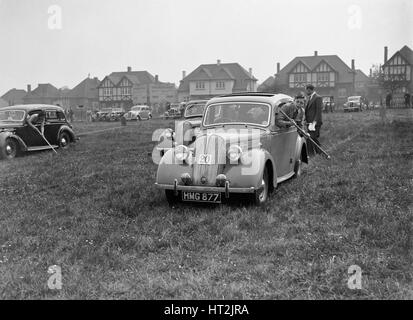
305 134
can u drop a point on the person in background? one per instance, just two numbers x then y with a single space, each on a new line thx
313 117
389 99
407 98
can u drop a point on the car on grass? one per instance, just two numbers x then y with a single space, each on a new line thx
115 114
239 151
173 113
21 128
355 103
188 127
138 113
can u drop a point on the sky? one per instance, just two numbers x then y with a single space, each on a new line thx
63 41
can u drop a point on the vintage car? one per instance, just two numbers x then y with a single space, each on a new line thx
21 128
104 114
139 113
173 113
115 114
355 103
239 150
328 103
193 113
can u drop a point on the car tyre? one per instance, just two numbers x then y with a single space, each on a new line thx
261 195
10 150
64 140
139 118
170 197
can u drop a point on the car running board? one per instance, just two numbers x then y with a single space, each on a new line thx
41 148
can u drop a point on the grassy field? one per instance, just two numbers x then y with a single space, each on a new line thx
93 210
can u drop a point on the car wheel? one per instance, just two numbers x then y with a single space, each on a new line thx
261 195
10 149
298 166
139 118
170 197
64 140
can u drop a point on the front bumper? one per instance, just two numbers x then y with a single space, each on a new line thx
227 189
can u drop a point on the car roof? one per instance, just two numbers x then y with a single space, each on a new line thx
196 101
31 107
271 98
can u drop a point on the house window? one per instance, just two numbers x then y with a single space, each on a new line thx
200 85
220 85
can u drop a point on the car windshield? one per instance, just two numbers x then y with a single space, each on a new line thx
194 110
12 115
237 113
136 108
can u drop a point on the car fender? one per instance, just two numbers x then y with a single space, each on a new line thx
301 150
69 130
169 169
7 134
241 176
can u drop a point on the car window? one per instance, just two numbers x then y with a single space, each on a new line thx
12 116
240 113
51 115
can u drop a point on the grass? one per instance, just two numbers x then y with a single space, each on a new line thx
94 211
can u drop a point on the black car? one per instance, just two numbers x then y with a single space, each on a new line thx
33 128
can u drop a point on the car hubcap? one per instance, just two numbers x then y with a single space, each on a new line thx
9 149
63 142
263 190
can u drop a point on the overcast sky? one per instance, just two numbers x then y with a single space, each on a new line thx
165 37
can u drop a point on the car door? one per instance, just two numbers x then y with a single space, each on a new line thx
29 135
283 142
52 126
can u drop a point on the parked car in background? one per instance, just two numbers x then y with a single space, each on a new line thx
355 103
239 150
173 113
328 103
115 114
139 113
187 129
21 129
103 114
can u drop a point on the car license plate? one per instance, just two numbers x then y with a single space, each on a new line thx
205 159
191 196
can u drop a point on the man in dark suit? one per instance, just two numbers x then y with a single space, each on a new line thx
313 117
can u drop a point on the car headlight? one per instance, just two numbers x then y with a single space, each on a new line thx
181 153
234 153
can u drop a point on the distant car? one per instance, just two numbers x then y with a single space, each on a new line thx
172 113
103 114
328 103
115 114
355 103
189 127
21 127
239 150
139 113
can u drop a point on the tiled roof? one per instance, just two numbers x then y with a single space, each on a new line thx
86 89
222 71
136 77
406 53
44 90
14 95
361 76
343 70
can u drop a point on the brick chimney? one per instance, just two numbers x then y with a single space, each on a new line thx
250 71
353 65
315 53
278 67
29 88
183 74
156 78
218 62
386 54
129 69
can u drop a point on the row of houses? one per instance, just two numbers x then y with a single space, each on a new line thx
328 73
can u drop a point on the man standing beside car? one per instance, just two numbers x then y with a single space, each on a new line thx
313 117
